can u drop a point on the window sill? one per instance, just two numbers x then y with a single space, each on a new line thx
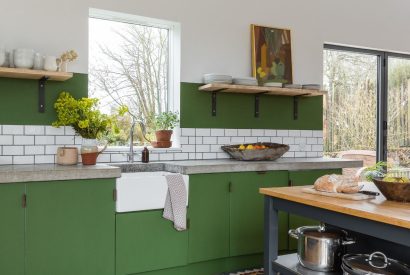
138 149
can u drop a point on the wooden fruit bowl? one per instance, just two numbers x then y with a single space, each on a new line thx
393 191
272 151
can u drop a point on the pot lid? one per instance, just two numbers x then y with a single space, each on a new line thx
376 263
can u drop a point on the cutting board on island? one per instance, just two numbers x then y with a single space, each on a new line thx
353 197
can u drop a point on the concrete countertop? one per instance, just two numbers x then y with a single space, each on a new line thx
188 167
51 172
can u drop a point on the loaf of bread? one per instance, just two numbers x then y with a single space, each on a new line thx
337 184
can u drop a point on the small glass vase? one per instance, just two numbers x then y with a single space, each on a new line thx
89 151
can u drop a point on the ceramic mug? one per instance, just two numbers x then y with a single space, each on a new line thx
67 155
50 63
38 62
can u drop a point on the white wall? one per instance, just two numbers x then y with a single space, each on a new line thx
215 33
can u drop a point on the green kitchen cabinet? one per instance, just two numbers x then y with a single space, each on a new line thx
12 229
70 228
145 241
301 178
208 214
247 211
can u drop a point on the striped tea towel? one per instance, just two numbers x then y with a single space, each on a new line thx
175 203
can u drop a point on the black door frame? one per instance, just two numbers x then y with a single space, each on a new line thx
382 91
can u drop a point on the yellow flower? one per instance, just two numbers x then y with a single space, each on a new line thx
83 123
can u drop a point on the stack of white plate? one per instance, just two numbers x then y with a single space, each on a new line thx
273 84
217 78
249 81
311 86
293 86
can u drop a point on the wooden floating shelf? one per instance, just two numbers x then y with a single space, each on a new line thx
243 89
215 88
34 74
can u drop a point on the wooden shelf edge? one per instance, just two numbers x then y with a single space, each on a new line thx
243 89
34 74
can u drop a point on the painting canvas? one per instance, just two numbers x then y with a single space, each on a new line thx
271 54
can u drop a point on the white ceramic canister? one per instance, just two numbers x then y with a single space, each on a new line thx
50 63
67 155
24 58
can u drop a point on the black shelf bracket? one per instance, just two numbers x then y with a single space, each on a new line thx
296 106
257 101
214 101
42 94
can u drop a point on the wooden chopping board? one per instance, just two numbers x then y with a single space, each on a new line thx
353 197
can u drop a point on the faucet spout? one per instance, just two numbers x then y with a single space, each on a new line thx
131 151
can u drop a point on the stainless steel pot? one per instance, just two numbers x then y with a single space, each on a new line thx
320 248
376 263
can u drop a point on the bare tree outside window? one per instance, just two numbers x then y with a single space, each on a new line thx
128 65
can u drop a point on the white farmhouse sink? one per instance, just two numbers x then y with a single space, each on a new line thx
143 191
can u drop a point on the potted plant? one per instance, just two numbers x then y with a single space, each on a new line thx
164 125
87 121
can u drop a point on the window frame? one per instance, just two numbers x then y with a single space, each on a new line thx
174 47
382 91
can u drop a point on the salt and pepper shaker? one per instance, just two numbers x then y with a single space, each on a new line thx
145 155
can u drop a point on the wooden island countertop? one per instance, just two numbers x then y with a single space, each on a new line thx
378 209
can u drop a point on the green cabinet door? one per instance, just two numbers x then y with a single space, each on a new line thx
247 211
11 229
145 241
300 178
208 217
70 228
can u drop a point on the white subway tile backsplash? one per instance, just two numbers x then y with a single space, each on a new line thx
210 140
203 132
217 132
289 155
23 140
244 132
35 130
306 133
231 132
294 133
282 133
251 139
209 156
203 148
23 159
63 140
13 130
6 140
258 132
224 140
50 130
270 133
237 140
41 159
13 150
24 144
188 132
6 160
44 140
34 150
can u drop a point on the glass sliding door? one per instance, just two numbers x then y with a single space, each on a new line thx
398 113
350 108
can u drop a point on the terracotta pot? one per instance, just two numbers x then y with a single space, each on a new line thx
163 135
161 144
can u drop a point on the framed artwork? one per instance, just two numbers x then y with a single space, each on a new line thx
271 55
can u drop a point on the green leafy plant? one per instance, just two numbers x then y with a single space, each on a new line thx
166 121
84 116
376 171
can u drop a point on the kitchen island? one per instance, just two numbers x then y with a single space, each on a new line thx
378 219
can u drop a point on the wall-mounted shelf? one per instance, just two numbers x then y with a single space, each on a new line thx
259 90
41 76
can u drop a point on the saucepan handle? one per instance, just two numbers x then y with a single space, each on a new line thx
293 233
